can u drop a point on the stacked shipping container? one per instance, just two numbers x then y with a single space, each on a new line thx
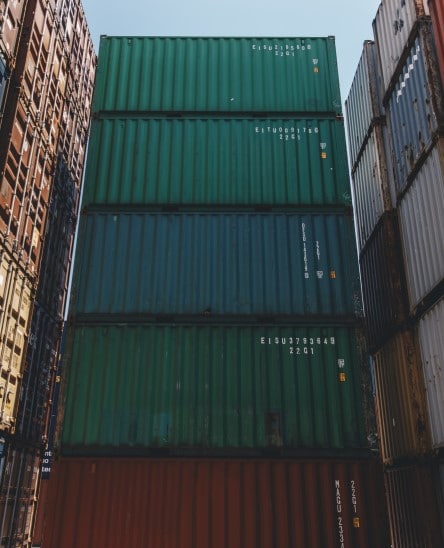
42 47
213 357
399 197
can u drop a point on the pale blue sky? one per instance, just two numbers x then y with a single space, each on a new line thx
350 21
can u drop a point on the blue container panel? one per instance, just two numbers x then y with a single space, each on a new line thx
211 264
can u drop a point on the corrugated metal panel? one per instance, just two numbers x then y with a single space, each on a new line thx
10 26
422 227
217 503
55 266
392 26
371 186
209 264
364 101
400 399
217 74
15 301
18 494
197 388
218 161
38 376
383 281
437 13
430 331
414 107
413 507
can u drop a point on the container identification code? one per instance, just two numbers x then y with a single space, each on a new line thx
300 346
280 50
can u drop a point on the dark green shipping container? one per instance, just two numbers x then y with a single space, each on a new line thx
217 161
209 265
217 74
227 389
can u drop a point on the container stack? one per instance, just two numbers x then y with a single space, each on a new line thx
42 48
213 381
394 115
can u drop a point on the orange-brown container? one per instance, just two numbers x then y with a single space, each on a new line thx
213 503
413 500
11 24
402 417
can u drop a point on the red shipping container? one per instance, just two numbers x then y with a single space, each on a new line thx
437 13
213 503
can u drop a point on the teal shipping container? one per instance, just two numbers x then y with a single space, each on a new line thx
212 264
217 161
213 388
217 74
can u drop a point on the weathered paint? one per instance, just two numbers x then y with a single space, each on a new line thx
371 186
198 388
430 334
217 74
393 25
16 294
234 161
422 227
209 264
403 425
413 504
384 289
364 102
11 24
414 107
218 503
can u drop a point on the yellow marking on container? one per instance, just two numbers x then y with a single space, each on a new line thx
332 274
342 377
315 69
323 155
356 523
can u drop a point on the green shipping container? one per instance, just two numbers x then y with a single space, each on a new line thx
191 388
217 74
235 161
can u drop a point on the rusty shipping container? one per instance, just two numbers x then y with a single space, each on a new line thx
236 162
383 281
437 13
371 185
212 264
422 229
16 296
413 501
393 26
363 106
430 333
214 389
19 475
403 424
415 107
217 503
217 75
11 24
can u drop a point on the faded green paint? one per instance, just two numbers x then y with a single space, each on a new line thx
217 74
227 388
217 161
